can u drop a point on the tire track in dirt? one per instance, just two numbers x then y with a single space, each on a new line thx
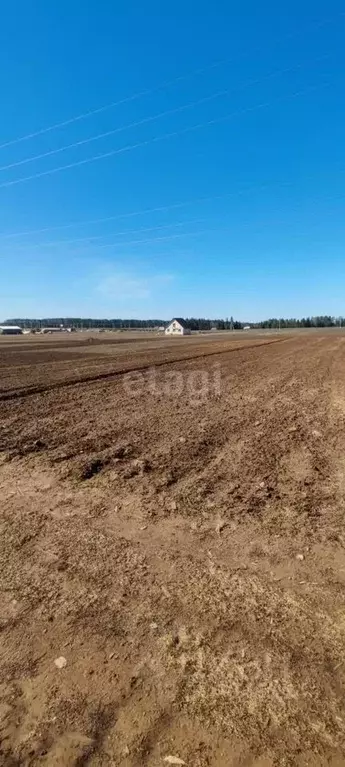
26 392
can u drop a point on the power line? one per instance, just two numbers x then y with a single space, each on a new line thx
116 130
112 104
157 209
167 83
142 211
91 239
172 134
166 113
151 241
198 233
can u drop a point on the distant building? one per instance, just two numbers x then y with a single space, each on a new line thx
177 327
10 330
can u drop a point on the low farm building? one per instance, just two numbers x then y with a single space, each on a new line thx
177 327
10 330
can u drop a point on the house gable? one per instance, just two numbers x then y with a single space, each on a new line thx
177 326
180 321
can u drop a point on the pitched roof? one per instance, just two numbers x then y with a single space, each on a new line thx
180 320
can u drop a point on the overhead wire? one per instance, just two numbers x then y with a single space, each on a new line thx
112 104
162 137
179 235
147 91
166 113
91 238
198 233
157 209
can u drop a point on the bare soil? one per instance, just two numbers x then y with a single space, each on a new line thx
172 533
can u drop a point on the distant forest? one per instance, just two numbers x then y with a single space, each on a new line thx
323 321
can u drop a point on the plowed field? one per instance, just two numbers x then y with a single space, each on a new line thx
172 534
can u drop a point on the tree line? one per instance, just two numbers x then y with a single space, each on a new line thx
320 321
80 323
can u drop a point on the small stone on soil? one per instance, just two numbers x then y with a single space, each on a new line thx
60 662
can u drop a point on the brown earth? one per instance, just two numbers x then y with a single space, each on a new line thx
176 535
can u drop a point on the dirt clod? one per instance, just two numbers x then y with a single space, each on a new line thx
60 662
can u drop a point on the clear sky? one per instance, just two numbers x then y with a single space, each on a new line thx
231 202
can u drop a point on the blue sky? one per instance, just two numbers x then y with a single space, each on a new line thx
239 212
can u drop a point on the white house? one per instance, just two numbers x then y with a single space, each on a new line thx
177 327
